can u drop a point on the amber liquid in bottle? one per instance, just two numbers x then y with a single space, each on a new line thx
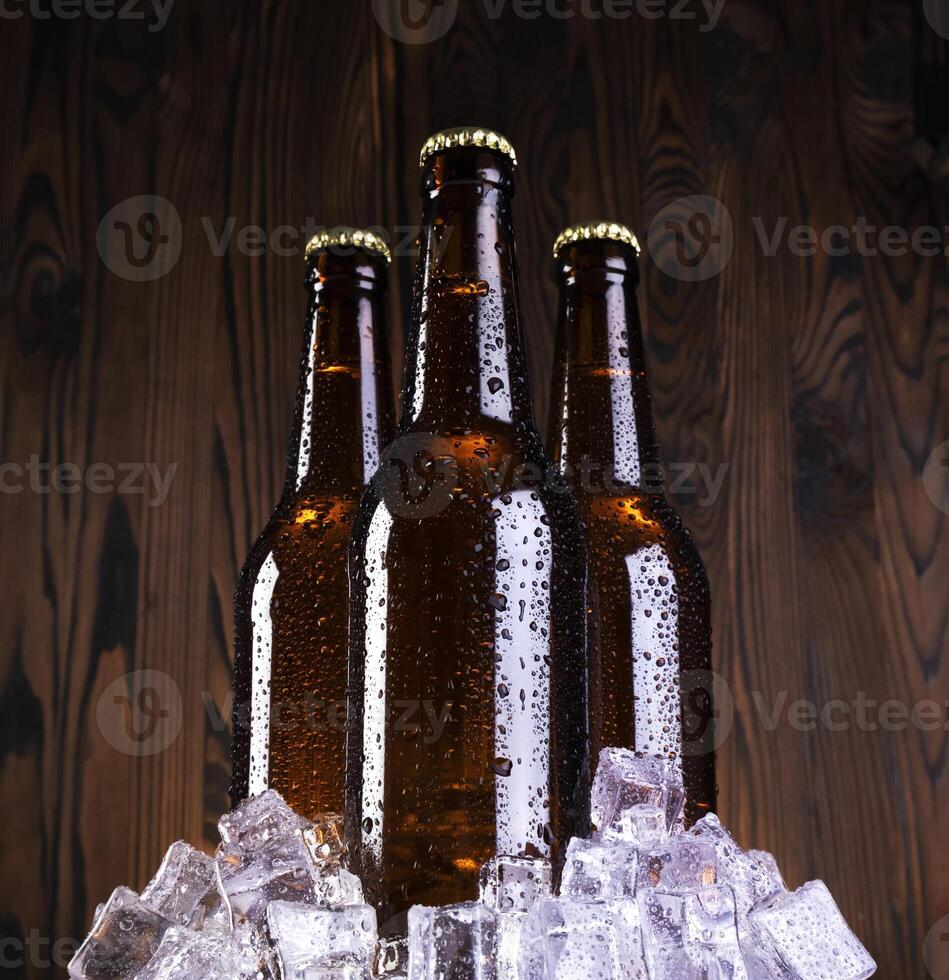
650 632
468 709
291 606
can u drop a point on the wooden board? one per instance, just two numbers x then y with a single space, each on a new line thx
814 386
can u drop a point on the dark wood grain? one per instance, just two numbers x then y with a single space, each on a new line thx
817 384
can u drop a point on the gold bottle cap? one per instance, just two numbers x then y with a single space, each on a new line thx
608 230
467 136
348 237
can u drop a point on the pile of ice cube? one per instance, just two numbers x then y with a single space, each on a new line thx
644 899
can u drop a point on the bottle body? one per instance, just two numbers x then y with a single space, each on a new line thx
650 628
468 734
292 599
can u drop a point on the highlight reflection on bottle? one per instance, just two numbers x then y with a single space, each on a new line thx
467 643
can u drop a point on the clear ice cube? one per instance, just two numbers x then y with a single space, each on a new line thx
185 955
185 890
514 884
337 887
124 938
310 939
338 973
324 840
597 871
692 936
810 937
570 940
625 779
642 824
768 865
392 957
258 820
681 863
253 956
454 942
280 870
753 882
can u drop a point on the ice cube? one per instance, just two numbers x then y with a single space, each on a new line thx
642 824
185 955
625 779
810 936
338 973
509 932
253 955
514 884
337 887
692 936
392 958
570 940
682 863
309 939
754 883
324 840
595 871
258 820
124 938
454 942
768 865
185 890
281 869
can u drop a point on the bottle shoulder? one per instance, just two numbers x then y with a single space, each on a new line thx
303 530
636 520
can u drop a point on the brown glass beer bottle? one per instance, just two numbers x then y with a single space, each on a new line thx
291 606
650 631
467 645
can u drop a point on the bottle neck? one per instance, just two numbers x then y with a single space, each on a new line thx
602 432
343 413
465 366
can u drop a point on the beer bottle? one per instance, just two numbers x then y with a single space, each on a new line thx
467 643
650 630
291 606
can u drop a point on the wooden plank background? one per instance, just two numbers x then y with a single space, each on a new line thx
819 383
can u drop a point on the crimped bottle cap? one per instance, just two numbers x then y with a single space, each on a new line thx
606 230
467 136
348 237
